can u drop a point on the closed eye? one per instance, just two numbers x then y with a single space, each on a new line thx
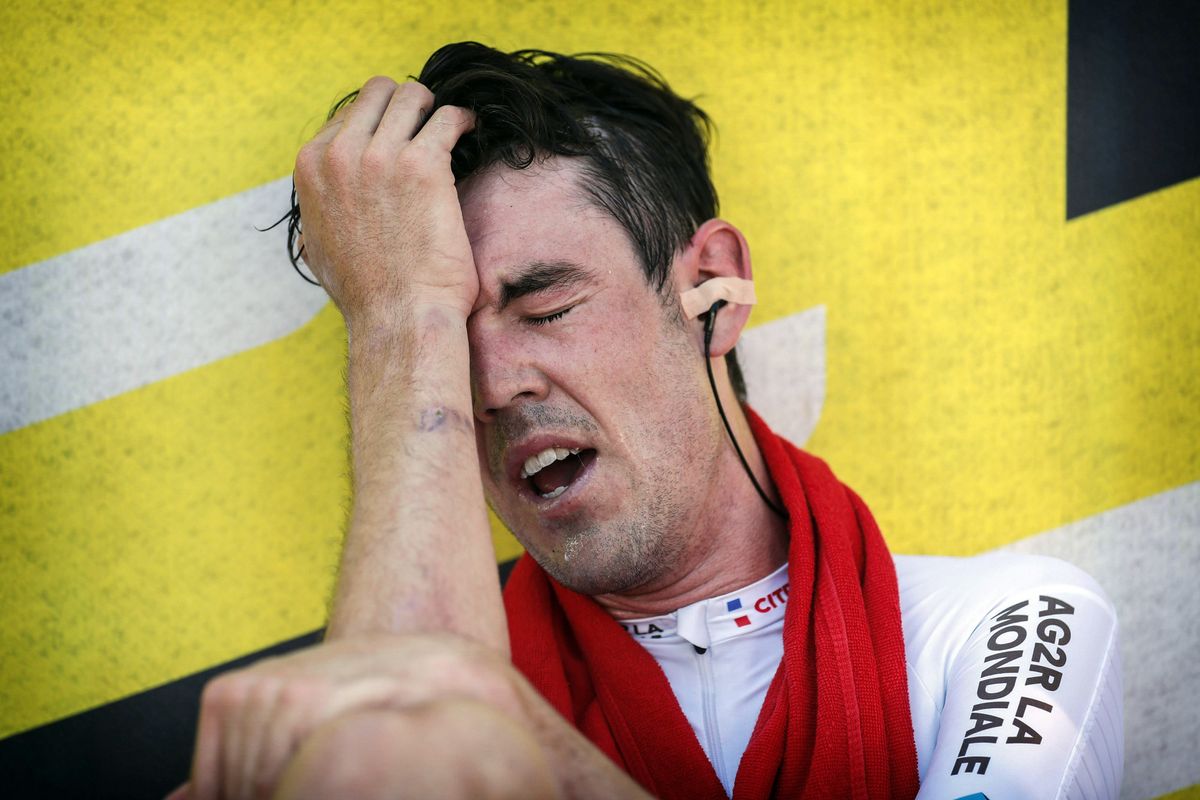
546 320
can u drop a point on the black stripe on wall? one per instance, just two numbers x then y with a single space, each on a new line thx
1133 99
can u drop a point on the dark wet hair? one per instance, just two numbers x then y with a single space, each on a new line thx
643 149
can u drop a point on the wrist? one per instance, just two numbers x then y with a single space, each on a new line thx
413 355
410 320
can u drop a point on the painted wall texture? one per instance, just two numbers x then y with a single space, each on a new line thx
986 370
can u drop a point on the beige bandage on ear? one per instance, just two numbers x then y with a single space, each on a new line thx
732 290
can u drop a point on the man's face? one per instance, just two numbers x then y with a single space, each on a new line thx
592 412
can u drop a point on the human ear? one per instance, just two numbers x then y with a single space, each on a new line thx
716 266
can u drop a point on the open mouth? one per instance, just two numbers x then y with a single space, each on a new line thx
551 472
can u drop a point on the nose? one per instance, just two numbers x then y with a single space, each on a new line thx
503 373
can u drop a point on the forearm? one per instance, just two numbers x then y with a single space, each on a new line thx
418 554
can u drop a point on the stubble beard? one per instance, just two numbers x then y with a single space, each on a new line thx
618 556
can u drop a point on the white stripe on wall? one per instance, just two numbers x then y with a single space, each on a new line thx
142 306
205 284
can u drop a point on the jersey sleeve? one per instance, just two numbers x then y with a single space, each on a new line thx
1033 697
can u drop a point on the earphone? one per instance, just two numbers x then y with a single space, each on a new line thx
710 321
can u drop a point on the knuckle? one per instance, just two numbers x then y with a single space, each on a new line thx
456 115
308 160
417 91
259 688
338 160
225 692
379 82
375 159
300 692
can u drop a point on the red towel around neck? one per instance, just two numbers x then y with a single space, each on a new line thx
835 722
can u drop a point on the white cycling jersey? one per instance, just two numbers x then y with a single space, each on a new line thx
1013 674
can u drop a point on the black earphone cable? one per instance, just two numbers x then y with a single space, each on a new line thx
709 322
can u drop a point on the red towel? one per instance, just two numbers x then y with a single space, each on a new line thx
835 722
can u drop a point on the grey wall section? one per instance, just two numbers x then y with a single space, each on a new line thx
1147 556
783 363
147 304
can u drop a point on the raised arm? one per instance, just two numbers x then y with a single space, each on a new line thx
383 233
416 695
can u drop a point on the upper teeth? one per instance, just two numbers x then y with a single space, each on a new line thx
535 463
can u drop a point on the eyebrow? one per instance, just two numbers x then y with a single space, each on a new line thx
540 276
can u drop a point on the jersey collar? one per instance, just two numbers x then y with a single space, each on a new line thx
718 619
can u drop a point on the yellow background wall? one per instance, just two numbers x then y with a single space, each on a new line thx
993 370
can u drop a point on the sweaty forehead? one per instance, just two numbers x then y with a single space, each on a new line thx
540 214
500 194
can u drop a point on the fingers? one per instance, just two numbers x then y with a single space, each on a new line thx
384 120
445 127
204 784
408 109
233 759
254 721
246 748
448 748
231 750
365 113
280 740
386 117
329 130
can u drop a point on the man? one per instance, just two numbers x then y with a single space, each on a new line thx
539 302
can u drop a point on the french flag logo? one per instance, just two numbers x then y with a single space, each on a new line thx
734 605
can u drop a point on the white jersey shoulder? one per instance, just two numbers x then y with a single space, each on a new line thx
1014 677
